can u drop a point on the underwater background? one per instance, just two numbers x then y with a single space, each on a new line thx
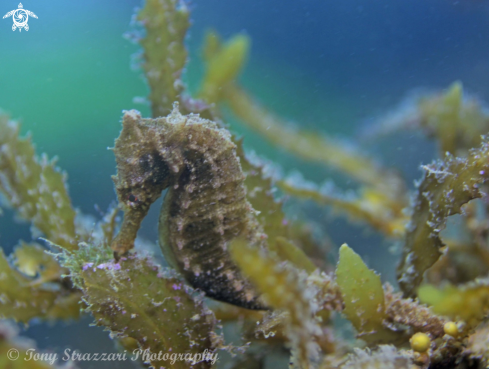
330 66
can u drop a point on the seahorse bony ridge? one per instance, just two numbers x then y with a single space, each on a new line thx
205 207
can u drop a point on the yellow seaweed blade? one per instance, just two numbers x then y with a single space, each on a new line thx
372 207
23 301
32 260
286 250
469 302
363 297
224 63
456 122
270 214
311 146
362 291
260 195
212 45
282 289
224 66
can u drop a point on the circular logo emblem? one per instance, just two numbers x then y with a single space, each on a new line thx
20 18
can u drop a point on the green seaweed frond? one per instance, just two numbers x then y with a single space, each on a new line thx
260 194
453 118
284 290
33 261
363 296
455 121
24 298
87 254
369 206
166 23
309 145
135 298
469 302
35 187
224 63
445 187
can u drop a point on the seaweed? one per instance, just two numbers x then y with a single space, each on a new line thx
468 303
224 63
166 24
32 286
134 298
363 296
34 187
235 256
453 118
22 300
368 206
446 186
282 289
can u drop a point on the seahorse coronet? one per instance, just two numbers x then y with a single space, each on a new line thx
205 207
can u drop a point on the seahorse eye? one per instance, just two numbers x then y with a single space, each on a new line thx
132 198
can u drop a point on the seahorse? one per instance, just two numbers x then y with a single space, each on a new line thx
205 207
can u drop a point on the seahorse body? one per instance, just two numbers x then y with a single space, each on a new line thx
205 207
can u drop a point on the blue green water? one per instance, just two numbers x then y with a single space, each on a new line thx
329 66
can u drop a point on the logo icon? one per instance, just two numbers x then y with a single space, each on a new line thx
20 17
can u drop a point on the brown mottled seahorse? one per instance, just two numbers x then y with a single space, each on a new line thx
205 207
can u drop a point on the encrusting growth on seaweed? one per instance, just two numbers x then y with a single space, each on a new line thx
31 284
282 289
135 298
35 187
165 55
457 121
446 186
